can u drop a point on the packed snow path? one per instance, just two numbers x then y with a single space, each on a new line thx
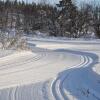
53 70
76 82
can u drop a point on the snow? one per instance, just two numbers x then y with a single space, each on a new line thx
55 69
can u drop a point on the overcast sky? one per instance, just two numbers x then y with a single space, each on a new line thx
57 1
50 1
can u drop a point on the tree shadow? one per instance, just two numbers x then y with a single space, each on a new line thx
84 82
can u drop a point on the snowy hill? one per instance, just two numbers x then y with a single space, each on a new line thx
53 70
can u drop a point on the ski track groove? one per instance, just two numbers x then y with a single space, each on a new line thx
36 58
60 81
39 66
56 88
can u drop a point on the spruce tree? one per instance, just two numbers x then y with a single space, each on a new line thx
67 18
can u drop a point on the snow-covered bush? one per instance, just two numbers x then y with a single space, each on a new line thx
16 41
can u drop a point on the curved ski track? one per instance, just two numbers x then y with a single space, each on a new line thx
42 59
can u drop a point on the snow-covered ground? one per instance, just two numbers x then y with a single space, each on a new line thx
54 70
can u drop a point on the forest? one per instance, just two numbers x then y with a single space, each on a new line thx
64 19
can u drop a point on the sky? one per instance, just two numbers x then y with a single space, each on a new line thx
36 1
53 2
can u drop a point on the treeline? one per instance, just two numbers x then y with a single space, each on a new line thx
65 19
77 22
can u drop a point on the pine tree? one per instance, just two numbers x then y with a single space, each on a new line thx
67 18
96 20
